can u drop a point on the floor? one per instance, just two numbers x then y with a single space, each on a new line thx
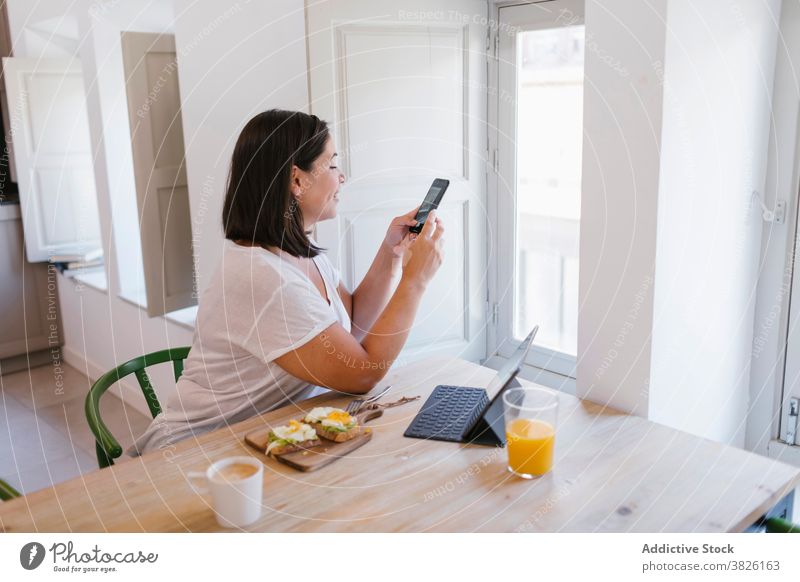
44 437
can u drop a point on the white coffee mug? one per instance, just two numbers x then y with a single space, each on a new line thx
236 485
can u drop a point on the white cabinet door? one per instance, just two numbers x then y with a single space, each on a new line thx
27 304
53 157
403 87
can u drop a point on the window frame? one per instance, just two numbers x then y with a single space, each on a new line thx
556 369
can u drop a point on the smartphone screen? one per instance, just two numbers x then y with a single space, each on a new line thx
431 202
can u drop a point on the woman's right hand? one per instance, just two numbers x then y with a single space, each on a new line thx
357 366
424 256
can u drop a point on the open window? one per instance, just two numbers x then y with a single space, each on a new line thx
539 138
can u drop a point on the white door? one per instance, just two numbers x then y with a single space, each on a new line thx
536 115
403 85
53 157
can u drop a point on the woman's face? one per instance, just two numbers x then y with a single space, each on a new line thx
317 191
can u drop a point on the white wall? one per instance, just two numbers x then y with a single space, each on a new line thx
622 138
670 236
720 59
240 58
104 71
100 330
42 29
234 60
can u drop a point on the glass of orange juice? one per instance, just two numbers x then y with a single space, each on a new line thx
531 415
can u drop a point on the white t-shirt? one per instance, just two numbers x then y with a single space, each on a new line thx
257 308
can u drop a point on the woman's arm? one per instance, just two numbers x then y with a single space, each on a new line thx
336 359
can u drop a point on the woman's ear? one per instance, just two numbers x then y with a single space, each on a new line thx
295 182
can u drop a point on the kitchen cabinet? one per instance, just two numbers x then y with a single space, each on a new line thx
29 320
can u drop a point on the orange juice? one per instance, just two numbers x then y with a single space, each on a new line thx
530 445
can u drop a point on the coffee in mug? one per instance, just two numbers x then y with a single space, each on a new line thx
236 486
235 472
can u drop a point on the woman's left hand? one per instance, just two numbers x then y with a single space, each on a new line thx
398 238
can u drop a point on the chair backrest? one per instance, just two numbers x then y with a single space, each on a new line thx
7 492
107 447
779 525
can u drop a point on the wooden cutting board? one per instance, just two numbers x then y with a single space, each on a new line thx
323 454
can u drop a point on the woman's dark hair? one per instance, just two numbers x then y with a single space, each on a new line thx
259 206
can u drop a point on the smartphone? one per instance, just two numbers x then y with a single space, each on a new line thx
431 202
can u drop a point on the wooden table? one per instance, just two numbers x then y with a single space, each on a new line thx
613 472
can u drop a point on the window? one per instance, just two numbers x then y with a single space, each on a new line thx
538 143
549 93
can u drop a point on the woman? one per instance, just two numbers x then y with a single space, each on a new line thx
276 320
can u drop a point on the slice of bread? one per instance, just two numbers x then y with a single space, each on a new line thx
291 432
336 436
294 447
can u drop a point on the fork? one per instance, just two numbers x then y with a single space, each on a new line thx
357 403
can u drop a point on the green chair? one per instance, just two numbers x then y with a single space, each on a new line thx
7 491
107 447
780 525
